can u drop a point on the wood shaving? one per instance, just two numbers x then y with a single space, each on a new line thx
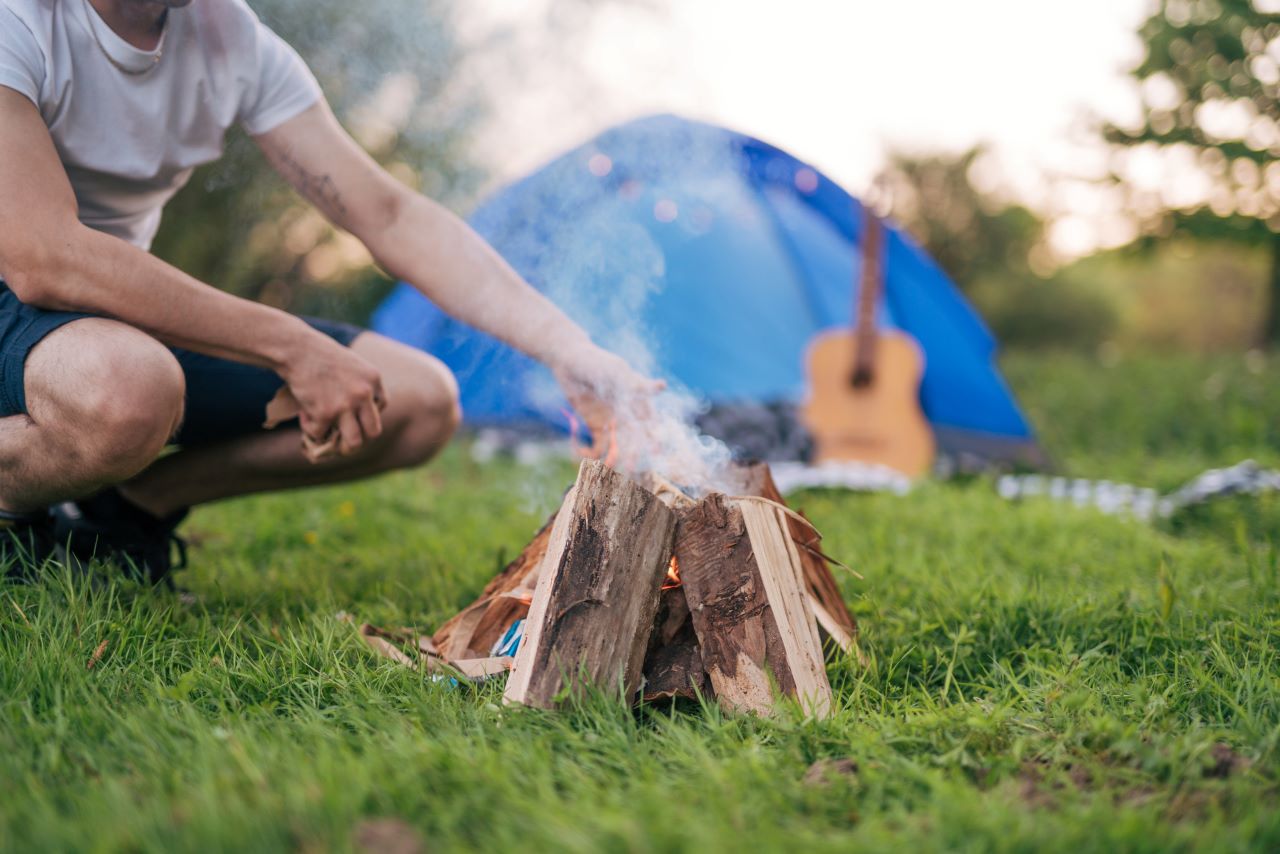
284 407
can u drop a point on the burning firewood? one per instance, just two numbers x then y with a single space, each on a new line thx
598 587
742 580
638 586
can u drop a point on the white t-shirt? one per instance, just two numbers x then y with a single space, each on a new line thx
130 141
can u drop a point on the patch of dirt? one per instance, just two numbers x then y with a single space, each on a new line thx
1192 805
1225 762
1040 784
1040 792
825 771
387 836
1032 788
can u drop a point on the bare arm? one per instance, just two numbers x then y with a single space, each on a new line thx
416 239
50 260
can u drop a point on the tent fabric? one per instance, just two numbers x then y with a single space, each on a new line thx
711 259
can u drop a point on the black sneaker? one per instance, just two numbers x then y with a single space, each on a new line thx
108 527
26 544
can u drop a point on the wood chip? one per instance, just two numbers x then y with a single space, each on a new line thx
376 640
281 408
826 771
284 407
97 653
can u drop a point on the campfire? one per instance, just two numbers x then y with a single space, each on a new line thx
634 586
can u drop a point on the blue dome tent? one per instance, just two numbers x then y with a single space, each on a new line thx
715 258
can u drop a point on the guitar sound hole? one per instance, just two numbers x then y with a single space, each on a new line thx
860 378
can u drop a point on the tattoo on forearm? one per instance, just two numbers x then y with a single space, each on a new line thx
317 189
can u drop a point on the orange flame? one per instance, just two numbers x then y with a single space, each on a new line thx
673 575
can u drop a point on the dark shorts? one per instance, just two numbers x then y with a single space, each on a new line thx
224 398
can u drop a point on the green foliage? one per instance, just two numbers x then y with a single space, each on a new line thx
1150 420
1041 677
988 248
1177 294
967 232
1203 295
1053 313
1158 421
390 73
1219 53
1210 83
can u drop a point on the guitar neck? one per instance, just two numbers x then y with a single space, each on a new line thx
868 298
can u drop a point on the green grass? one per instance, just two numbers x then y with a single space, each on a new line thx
1153 420
1041 677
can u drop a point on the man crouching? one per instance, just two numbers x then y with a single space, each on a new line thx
109 355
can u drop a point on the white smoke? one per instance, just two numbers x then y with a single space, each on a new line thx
668 443
603 273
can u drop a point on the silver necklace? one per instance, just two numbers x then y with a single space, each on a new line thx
124 69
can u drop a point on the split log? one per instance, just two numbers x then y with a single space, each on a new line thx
473 631
673 666
670 494
824 593
742 579
597 594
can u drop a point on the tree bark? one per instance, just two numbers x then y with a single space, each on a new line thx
597 594
673 666
1271 331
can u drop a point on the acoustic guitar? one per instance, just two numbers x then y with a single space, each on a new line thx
864 384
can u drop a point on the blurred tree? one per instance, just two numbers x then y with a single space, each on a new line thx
388 67
968 232
1178 294
994 250
1210 87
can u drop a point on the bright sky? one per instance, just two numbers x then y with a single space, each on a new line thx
837 82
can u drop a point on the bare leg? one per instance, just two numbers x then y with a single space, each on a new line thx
422 413
103 399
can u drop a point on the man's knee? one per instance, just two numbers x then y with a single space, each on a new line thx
432 411
142 409
423 411
115 392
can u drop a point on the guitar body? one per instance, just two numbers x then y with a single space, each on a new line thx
877 422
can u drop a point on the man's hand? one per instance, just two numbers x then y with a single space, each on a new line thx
338 398
605 391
